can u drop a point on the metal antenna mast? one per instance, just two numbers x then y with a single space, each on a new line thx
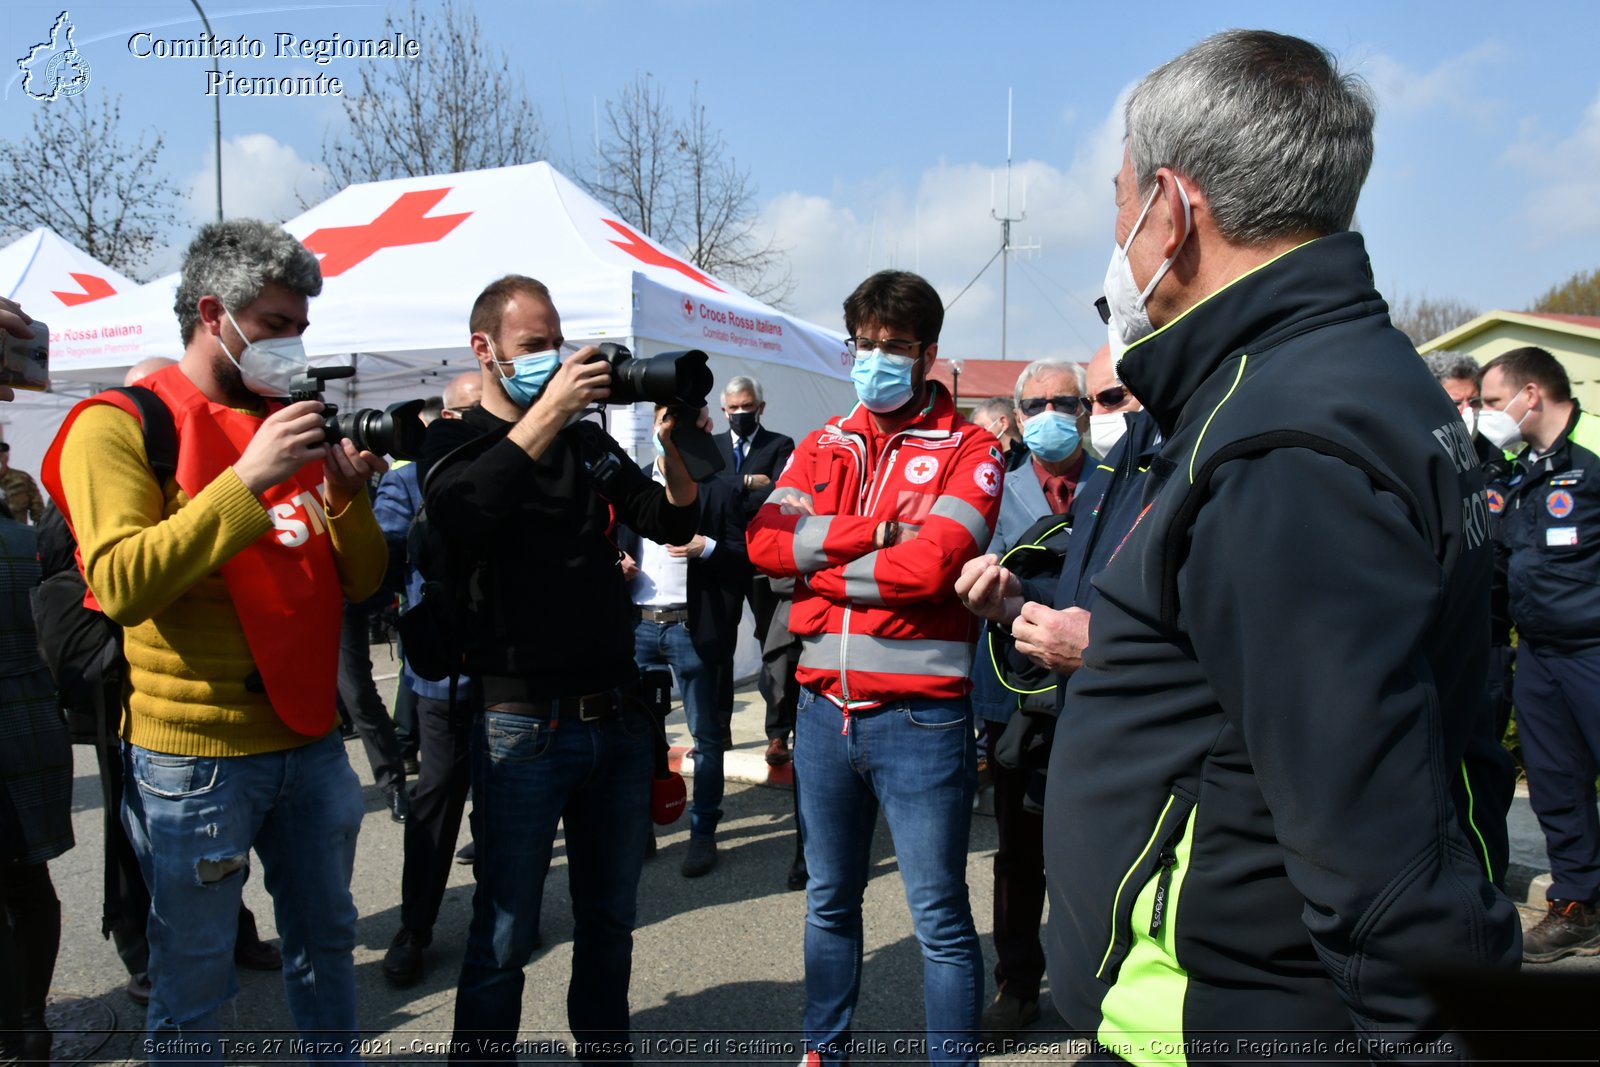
1006 247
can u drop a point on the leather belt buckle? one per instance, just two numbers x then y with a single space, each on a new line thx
664 616
597 706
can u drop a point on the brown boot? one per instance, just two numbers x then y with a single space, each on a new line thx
1569 928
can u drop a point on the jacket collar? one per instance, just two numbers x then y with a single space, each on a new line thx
937 419
1320 282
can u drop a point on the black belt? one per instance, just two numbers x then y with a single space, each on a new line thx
589 708
665 616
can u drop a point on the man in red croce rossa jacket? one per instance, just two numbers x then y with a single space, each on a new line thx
874 516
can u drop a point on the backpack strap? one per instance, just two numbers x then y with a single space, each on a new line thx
160 432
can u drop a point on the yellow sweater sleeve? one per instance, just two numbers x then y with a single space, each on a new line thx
359 549
138 559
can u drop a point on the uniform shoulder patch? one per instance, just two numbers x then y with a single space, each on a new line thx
989 478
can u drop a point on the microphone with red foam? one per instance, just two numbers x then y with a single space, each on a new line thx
668 796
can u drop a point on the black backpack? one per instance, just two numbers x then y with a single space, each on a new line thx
81 647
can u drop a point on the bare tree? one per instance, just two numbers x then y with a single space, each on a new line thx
675 181
75 174
1578 295
457 106
636 171
1424 318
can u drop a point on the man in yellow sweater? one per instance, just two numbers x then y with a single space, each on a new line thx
228 577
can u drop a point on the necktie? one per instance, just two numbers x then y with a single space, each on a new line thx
738 454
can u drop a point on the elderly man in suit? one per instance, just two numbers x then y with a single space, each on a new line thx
1052 411
753 457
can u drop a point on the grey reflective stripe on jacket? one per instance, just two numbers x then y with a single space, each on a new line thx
884 655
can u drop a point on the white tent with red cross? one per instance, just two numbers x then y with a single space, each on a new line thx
49 277
403 260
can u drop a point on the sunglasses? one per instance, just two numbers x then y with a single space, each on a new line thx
1066 405
1110 398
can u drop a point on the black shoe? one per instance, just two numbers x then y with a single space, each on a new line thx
702 855
258 955
402 964
467 853
252 952
798 873
1569 928
138 988
399 802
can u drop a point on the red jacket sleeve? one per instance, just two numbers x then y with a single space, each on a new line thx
786 546
957 529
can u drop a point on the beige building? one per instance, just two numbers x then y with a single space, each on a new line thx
1573 339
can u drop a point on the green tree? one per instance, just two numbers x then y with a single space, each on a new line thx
1578 295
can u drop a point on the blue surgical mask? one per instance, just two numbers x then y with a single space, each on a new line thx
1051 435
528 375
883 382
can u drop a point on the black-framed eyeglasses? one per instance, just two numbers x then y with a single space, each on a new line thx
1103 306
1109 398
1475 403
889 346
1066 405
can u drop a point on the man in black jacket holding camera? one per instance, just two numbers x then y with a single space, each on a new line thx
527 499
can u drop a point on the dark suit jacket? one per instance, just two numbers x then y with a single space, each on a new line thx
767 455
717 584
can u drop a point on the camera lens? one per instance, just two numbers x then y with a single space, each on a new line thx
396 431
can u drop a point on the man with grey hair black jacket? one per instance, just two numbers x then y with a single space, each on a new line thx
1275 800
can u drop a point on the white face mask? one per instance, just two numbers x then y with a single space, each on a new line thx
1105 431
1470 417
1129 319
1500 429
269 366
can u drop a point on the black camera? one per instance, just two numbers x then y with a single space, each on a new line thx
680 379
395 431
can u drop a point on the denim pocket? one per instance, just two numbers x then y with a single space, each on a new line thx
174 776
938 716
635 721
516 738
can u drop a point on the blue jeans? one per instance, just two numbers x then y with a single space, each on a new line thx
668 645
527 773
918 761
193 821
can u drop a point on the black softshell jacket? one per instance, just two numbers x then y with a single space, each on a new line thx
553 617
1275 797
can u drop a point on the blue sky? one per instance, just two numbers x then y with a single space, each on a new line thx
875 130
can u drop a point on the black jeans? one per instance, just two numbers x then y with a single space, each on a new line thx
436 804
30 937
362 702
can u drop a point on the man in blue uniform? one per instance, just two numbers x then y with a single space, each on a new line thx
1551 526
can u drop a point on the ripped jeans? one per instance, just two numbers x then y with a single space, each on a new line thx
193 821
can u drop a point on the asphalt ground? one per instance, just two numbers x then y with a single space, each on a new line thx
717 971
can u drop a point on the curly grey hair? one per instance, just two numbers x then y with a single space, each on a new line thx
234 260
1452 366
1275 136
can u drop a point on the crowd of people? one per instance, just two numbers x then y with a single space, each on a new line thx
1231 610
